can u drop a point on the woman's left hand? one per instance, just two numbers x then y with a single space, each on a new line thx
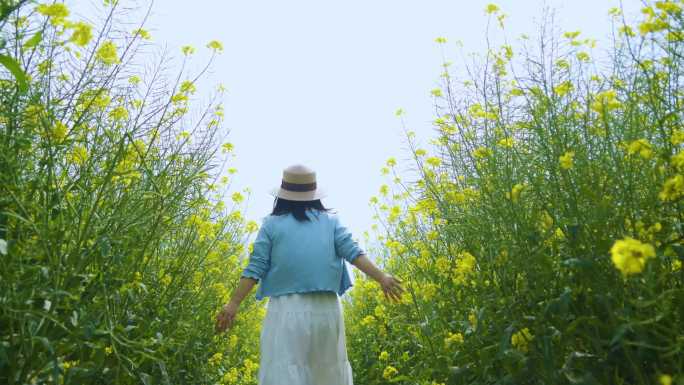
225 317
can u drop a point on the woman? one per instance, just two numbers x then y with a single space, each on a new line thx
298 259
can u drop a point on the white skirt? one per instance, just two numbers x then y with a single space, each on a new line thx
303 341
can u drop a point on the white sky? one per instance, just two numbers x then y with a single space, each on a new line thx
318 81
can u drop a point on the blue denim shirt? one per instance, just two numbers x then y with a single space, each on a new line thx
290 256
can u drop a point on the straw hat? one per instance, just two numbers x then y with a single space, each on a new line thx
298 184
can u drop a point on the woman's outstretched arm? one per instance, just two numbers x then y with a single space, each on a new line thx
244 287
367 266
226 316
391 286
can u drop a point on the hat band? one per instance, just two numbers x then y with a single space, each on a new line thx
298 187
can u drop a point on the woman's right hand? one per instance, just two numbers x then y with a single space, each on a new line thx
391 286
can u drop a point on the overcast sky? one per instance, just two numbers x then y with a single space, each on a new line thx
318 82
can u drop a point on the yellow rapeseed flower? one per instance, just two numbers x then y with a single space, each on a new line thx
517 92
491 8
506 142
665 379
215 45
564 88
231 377
652 26
368 320
69 364
630 255
107 53
442 265
669 7
566 160
627 31
514 195
428 291
452 338
143 33
673 188
472 318
227 147
482 152
394 214
457 197
677 137
237 197
232 341
433 161
571 35
58 132
676 265
179 98
507 51
465 265
82 34
118 113
384 356
389 372
583 56
97 99
606 101
641 147
251 227
546 221
78 155
188 87
562 63
57 12
187 50
216 359
558 233
520 339
166 280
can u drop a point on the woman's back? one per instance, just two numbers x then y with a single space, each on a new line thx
292 256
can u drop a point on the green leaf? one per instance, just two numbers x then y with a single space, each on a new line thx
46 343
34 40
581 378
578 263
679 249
400 378
13 67
145 378
7 7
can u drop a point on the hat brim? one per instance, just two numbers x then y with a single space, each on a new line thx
298 195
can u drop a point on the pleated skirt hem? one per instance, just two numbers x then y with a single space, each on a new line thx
280 373
303 341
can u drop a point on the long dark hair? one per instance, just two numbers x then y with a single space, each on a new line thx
297 208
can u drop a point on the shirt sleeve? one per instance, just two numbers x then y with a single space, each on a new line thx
345 246
260 258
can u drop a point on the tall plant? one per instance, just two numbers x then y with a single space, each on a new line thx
115 241
543 236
